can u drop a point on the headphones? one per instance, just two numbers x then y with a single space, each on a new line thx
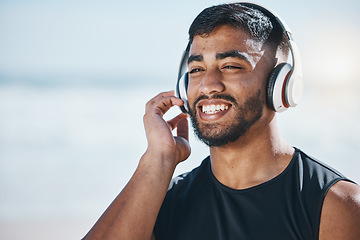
285 85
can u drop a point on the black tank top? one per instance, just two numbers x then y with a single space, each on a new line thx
197 206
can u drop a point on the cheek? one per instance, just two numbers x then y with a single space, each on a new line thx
255 86
243 88
191 97
192 90
250 90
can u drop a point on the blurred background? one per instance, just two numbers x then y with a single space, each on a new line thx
75 77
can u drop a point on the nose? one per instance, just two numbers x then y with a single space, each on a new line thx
211 83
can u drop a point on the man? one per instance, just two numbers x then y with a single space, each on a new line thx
253 185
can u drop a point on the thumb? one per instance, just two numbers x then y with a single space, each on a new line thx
183 128
182 138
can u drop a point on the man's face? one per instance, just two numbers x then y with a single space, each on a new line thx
227 81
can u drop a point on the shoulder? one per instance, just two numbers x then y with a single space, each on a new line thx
316 173
340 217
176 199
186 179
315 166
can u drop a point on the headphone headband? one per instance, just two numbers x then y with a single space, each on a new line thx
270 14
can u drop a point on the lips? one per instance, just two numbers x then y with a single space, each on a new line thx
213 109
210 110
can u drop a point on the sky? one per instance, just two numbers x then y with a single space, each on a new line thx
116 38
74 79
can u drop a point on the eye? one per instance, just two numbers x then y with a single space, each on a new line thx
195 70
232 67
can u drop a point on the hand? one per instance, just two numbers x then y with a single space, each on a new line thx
159 132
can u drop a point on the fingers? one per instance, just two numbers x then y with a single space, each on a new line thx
156 108
180 122
173 123
159 132
183 128
183 149
163 102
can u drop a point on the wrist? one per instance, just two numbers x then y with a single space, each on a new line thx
159 160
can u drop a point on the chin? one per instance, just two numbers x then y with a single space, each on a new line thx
216 134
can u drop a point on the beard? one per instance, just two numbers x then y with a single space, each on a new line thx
218 134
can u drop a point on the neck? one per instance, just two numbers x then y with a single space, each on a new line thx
256 157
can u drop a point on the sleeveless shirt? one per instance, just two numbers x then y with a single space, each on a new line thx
197 206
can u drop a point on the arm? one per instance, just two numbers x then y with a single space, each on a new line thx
133 213
340 217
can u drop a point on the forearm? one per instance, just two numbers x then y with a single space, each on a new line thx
133 213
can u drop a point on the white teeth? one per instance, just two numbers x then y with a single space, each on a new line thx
212 109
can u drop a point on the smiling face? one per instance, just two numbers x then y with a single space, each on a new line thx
227 80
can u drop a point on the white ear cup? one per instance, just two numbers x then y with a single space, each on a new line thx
276 91
285 85
181 92
294 87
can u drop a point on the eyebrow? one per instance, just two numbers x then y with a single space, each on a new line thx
197 58
219 56
232 54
